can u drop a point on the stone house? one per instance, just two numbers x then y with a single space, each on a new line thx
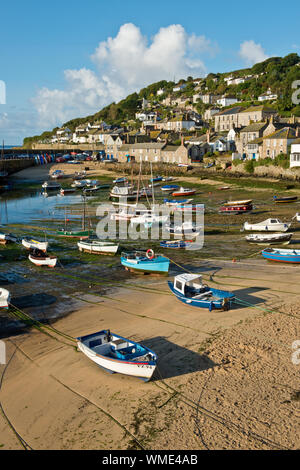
225 120
247 134
255 114
279 141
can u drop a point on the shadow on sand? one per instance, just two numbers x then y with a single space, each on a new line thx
174 360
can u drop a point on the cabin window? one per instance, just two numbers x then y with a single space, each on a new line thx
178 285
273 221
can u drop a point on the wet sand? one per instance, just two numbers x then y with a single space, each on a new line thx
225 380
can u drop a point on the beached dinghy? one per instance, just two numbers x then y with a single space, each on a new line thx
184 192
98 247
4 298
65 191
145 262
190 289
7 237
169 187
30 243
244 202
118 355
174 202
39 258
268 225
297 217
281 255
50 185
186 228
235 209
287 199
269 238
176 244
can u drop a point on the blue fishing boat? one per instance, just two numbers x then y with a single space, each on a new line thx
169 187
175 244
281 255
156 178
116 354
286 199
190 290
145 262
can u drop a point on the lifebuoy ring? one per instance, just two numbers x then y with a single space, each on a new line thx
150 254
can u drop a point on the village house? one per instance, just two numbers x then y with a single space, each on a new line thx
295 154
224 120
255 114
268 96
247 134
209 113
112 144
226 101
209 98
279 141
179 87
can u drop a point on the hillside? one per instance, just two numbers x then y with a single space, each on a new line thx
275 73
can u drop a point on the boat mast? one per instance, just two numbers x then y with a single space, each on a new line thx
83 219
152 185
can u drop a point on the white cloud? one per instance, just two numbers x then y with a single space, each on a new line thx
124 64
252 52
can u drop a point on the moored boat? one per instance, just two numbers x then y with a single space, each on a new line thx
286 199
190 289
235 209
268 225
98 247
184 192
4 298
50 185
174 202
176 244
65 191
145 262
169 187
120 355
7 237
40 258
269 238
244 202
281 255
31 243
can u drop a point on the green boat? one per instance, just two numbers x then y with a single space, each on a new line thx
82 233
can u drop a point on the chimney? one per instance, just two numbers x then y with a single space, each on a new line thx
208 136
297 131
181 139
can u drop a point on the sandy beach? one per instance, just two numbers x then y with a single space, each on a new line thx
225 379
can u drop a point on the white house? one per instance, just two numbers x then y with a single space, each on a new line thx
267 96
231 135
179 87
160 92
226 101
295 155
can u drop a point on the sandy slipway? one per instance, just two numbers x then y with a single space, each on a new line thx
226 380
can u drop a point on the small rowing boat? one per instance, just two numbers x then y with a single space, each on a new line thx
31 243
65 191
244 202
98 247
4 298
169 187
189 289
39 258
235 209
7 237
176 244
50 185
281 255
174 202
116 354
287 199
269 238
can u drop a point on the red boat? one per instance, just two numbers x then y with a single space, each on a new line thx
236 209
184 192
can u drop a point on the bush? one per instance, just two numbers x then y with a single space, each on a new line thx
249 166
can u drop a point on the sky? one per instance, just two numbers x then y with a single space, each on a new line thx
69 59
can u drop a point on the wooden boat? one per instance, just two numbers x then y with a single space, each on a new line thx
98 247
269 238
186 228
169 187
244 202
7 237
31 243
235 209
57 174
145 262
190 289
120 180
155 179
4 298
189 208
50 186
116 354
184 192
39 258
281 200
176 244
268 225
123 192
224 187
281 255
167 178
79 184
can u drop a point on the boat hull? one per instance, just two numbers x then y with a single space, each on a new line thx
208 304
49 261
281 257
285 200
98 250
150 266
30 244
74 234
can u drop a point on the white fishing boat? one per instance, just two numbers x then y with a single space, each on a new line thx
50 185
39 258
79 184
4 298
98 247
57 174
31 243
297 217
123 192
120 355
268 225
122 215
186 228
149 217
269 238
7 237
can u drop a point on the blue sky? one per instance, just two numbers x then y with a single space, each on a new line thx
40 41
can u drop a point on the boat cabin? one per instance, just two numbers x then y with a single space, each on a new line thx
185 283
